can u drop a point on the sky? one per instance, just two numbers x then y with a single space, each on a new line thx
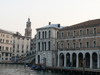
15 13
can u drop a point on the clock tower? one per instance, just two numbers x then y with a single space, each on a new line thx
28 30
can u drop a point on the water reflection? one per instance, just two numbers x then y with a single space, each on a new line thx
12 69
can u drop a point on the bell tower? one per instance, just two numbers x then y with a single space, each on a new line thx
28 30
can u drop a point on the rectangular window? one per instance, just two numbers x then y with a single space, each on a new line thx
39 35
74 33
39 46
94 31
80 32
42 45
87 31
49 45
68 33
62 34
6 54
7 48
45 45
49 34
7 41
87 44
80 45
94 43
74 45
0 48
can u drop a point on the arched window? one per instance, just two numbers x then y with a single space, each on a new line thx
49 34
94 44
39 35
45 34
39 46
49 45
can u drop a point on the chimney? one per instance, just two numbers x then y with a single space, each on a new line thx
49 23
58 25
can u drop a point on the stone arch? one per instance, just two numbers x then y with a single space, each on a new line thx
68 60
94 60
61 59
80 56
74 56
87 60
33 61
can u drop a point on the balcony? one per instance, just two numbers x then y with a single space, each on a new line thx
6 51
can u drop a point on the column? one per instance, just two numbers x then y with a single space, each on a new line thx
64 60
71 59
98 61
58 59
83 55
77 63
90 60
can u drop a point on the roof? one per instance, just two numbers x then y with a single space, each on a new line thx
51 26
6 32
86 24
17 34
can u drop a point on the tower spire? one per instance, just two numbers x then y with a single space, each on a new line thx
28 30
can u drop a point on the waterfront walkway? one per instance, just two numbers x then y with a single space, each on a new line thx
74 71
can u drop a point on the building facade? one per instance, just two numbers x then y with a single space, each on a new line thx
46 40
79 45
75 46
21 46
6 46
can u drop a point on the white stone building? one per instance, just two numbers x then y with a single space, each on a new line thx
21 44
46 40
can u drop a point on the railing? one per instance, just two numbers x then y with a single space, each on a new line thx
6 51
82 48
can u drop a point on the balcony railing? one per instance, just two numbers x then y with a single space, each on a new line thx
82 48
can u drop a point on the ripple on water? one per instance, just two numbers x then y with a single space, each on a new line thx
11 69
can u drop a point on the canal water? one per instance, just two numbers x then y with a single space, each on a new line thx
12 69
